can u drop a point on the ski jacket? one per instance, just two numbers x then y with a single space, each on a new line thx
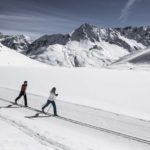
23 88
52 96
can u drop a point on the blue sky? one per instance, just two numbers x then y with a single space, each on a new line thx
38 17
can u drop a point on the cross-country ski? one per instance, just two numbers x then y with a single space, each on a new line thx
39 115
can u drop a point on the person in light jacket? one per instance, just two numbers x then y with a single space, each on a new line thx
51 100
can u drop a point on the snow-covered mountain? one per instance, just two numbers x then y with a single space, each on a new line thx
140 34
138 59
19 43
87 45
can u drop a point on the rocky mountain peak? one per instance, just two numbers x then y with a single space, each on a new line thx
85 32
139 34
47 40
18 42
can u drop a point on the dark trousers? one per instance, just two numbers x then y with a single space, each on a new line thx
25 98
53 104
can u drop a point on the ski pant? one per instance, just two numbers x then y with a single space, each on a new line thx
25 98
54 106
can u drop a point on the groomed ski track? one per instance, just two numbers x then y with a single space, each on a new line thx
87 125
40 138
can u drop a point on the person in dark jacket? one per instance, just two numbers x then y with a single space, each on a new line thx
51 100
23 93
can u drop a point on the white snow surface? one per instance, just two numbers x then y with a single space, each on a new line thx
11 57
46 133
110 99
139 60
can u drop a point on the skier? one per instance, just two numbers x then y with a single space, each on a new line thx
51 101
23 93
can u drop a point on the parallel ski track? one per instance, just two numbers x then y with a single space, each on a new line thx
35 135
89 126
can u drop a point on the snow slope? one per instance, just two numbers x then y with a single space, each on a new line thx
11 57
110 99
47 132
117 91
104 89
139 59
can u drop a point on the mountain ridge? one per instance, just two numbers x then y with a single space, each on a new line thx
88 45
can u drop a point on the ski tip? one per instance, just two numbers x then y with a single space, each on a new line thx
30 117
